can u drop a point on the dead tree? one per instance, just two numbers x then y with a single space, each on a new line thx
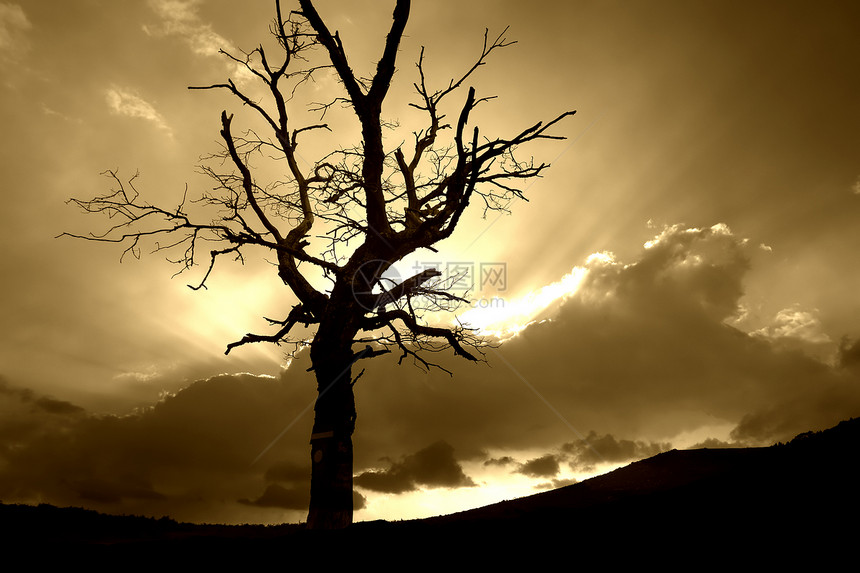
369 206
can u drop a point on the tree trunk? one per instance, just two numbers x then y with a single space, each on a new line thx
331 439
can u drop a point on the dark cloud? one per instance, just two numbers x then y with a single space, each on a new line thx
553 484
288 471
502 461
830 395
285 498
54 406
26 416
294 498
593 450
800 410
53 451
716 443
295 495
433 466
544 466
44 403
178 457
358 500
849 354
389 481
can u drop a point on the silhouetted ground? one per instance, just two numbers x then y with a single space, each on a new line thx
790 503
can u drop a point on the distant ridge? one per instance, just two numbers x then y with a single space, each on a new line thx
799 495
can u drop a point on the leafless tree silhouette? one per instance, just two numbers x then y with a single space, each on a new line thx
370 206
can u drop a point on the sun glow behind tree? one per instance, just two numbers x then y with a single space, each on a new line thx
502 318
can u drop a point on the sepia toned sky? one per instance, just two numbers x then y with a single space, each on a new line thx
685 273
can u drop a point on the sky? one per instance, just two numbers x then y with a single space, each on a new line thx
685 274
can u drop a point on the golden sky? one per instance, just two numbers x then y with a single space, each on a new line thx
690 261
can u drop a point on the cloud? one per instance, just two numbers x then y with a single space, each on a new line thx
433 466
177 12
544 466
593 450
41 445
288 471
180 18
13 24
810 410
43 404
856 187
285 498
24 416
800 330
124 102
181 457
716 443
849 354
795 323
294 498
502 461
642 348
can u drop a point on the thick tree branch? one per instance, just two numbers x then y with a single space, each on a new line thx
297 315
385 66
452 337
247 180
335 50
405 288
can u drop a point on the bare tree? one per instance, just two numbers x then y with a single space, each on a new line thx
370 206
